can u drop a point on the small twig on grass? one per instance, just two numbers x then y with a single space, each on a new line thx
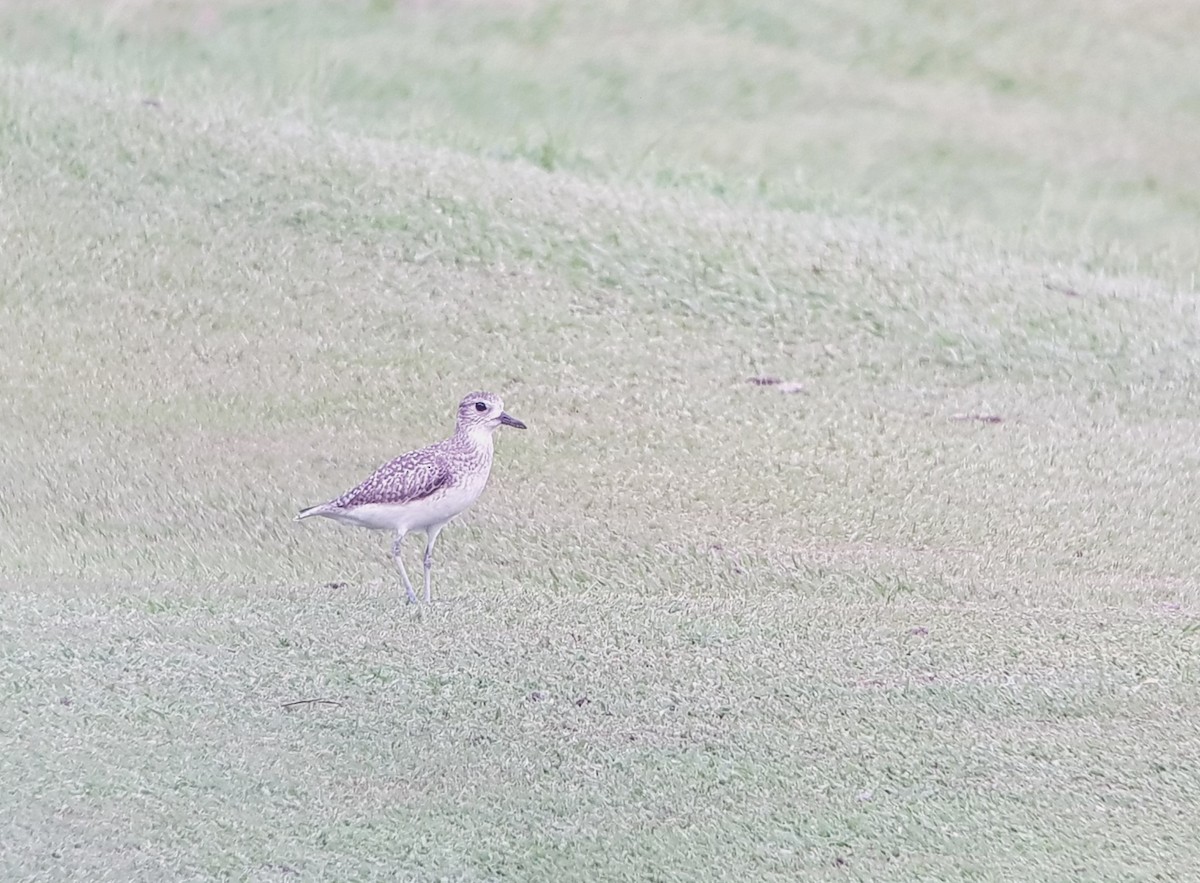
777 382
296 702
1063 289
982 418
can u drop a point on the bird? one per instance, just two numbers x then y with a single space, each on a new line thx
426 489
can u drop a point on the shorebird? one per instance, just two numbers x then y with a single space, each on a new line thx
424 490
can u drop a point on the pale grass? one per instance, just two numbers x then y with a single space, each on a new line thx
697 628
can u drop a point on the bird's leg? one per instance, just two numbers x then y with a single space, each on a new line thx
430 538
412 596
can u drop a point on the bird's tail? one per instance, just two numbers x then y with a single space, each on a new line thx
318 509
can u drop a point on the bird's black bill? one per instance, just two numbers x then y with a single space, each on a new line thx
509 420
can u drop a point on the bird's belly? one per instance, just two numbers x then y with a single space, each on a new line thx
417 515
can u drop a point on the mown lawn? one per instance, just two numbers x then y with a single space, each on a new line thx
930 615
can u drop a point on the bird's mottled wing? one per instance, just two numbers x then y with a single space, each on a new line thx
410 477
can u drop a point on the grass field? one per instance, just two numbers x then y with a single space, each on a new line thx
934 616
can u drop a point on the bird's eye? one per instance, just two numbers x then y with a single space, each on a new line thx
480 406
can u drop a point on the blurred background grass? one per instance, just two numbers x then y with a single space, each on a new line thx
1062 129
933 616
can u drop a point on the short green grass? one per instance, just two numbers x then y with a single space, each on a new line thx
932 617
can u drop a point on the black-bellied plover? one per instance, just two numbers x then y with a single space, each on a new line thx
424 490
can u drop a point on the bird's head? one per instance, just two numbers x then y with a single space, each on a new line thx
484 412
